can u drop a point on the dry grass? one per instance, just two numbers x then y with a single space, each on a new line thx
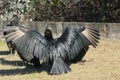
103 64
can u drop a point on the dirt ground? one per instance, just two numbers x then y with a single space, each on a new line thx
102 63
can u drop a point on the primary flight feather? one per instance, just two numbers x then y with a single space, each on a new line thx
71 46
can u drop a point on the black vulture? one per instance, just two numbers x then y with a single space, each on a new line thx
13 22
70 47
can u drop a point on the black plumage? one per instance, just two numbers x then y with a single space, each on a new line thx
14 22
71 46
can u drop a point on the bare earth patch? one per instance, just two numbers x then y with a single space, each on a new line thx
102 63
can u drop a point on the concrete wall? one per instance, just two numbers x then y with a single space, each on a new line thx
107 30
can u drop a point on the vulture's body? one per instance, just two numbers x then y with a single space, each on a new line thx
71 46
14 22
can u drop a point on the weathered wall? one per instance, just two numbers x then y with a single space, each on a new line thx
107 30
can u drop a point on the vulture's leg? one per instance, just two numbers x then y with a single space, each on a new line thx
59 67
13 49
83 53
10 49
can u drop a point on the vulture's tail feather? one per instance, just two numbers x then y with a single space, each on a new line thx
59 67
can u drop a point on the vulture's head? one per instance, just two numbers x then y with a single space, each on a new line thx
14 18
14 21
48 33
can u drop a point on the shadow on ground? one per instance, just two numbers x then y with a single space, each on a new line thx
13 63
27 69
4 52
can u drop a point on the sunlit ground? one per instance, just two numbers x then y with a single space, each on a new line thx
103 63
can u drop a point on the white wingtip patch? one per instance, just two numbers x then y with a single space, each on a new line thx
14 35
92 35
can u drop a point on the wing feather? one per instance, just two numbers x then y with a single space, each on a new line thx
92 35
72 41
67 46
28 43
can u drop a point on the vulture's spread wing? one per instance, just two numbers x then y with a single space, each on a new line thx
73 40
28 43
65 48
